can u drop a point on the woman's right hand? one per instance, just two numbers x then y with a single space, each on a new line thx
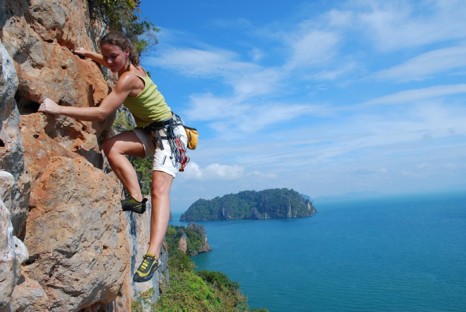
50 107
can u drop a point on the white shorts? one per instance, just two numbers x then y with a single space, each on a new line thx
163 159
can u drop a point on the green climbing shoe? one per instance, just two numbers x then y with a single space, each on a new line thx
147 269
130 204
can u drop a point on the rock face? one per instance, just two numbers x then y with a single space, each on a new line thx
12 250
80 250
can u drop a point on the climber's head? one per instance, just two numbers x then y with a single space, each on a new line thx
118 51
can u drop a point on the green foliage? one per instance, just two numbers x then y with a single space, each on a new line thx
218 280
273 203
192 291
122 120
189 290
123 15
179 261
195 236
196 239
143 167
143 299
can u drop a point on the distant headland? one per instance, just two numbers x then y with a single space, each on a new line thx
267 204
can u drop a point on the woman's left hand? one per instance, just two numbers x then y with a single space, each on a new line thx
50 107
81 52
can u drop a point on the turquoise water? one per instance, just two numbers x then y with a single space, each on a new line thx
392 254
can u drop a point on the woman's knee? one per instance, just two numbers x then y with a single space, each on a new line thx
159 191
125 143
108 147
161 184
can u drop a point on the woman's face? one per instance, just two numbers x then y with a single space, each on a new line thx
115 58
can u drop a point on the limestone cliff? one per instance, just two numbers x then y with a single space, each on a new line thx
65 244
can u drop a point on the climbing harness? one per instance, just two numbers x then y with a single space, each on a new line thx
177 146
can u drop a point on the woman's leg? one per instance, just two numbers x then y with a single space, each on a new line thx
115 148
161 185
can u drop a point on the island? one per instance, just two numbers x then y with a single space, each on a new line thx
277 203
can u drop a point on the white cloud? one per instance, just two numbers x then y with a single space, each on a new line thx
395 25
311 48
339 18
335 73
192 171
264 175
256 54
223 172
427 65
193 62
208 107
262 116
213 171
416 95
256 82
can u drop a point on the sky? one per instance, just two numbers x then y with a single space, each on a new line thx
329 98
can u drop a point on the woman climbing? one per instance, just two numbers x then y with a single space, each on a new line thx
159 134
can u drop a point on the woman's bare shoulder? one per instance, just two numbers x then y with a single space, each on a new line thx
131 81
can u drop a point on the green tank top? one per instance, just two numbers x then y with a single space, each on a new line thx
149 105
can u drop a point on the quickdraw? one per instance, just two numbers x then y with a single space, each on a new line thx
177 147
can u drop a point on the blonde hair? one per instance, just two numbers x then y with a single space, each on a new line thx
120 39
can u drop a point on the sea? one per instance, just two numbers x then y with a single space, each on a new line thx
399 253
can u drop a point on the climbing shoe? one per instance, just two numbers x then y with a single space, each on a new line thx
130 204
147 269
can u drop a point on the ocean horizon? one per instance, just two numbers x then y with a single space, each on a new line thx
400 253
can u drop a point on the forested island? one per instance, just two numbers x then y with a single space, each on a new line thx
267 204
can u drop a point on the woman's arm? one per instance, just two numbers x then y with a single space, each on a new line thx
96 57
110 104
98 113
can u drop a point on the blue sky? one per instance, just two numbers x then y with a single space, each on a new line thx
325 97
